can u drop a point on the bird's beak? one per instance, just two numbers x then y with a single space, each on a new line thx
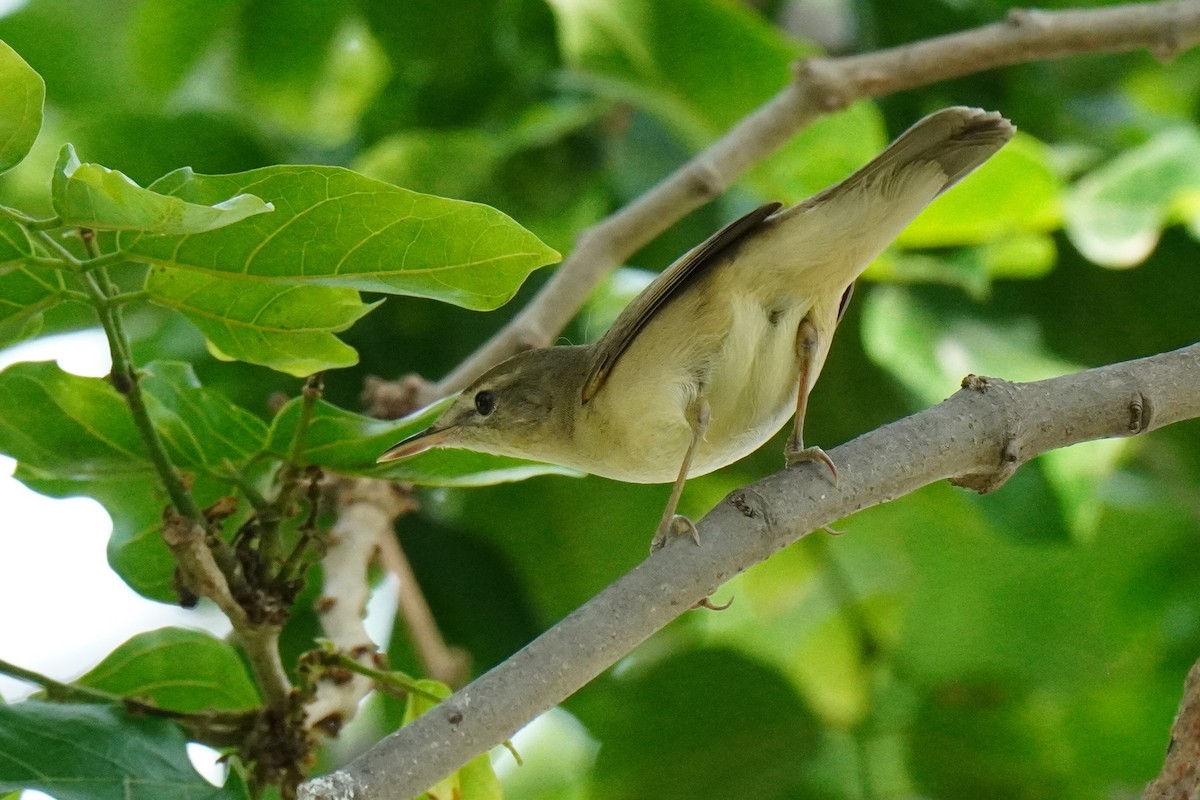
418 443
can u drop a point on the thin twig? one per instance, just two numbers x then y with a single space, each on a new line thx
822 85
976 438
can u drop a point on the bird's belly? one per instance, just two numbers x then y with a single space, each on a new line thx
747 379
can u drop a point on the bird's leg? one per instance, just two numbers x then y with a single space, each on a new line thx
672 523
807 343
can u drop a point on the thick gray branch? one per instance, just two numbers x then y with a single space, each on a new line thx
978 437
822 85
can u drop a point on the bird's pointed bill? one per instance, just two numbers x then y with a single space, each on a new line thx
417 443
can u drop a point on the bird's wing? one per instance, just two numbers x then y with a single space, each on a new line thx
666 286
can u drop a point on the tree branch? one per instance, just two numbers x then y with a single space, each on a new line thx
822 85
367 510
976 438
1180 776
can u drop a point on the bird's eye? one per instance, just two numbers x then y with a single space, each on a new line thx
485 402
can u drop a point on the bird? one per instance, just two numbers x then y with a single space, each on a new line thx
718 352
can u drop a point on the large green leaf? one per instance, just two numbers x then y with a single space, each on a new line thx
74 436
672 58
22 93
286 327
86 752
175 668
1116 213
92 196
349 443
69 426
333 227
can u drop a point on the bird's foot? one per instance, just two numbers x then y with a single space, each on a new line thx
705 602
797 454
676 525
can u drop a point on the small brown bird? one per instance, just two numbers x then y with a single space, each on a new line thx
715 355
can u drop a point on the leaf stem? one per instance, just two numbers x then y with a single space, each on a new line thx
214 728
396 683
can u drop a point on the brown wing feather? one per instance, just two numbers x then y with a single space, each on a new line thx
667 285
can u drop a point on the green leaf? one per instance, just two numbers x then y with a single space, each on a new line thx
22 93
86 752
178 669
349 443
199 427
475 780
74 436
286 327
1116 213
24 294
1015 192
92 196
335 227
646 53
68 426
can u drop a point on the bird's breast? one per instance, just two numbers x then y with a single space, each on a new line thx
736 354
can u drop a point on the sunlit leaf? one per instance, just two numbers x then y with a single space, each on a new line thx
175 668
286 327
1116 213
22 93
86 752
1015 192
92 196
350 443
647 53
334 227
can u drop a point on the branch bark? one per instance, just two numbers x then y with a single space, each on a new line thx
822 85
976 438
1180 775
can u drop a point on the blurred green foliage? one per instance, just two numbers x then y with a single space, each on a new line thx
1027 644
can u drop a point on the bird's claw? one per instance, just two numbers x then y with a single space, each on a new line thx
677 525
705 602
798 455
